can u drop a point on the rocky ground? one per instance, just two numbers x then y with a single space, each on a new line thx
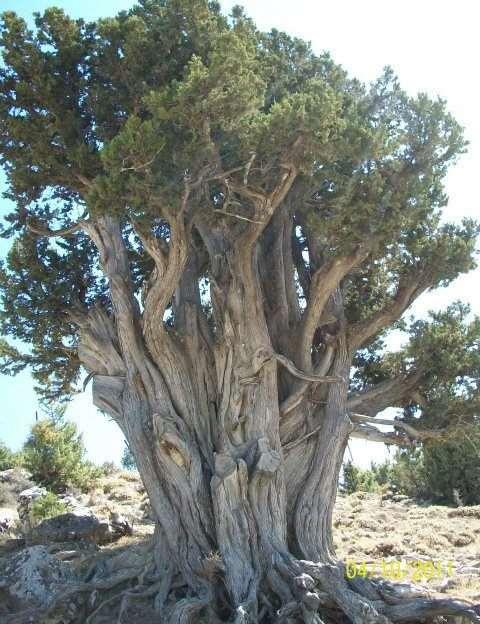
78 561
437 547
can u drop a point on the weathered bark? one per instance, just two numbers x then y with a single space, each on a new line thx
237 411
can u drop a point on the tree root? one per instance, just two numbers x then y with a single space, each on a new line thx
294 592
370 601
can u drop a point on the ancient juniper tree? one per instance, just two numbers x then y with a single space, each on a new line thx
219 226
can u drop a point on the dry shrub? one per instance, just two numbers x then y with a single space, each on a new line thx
386 548
461 539
465 512
368 523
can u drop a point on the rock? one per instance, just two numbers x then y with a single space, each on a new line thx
8 519
24 507
13 474
120 524
71 502
35 576
399 498
80 524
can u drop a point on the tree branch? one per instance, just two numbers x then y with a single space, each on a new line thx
388 393
262 358
360 333
45 231
405 437
323 283
264 204
296 398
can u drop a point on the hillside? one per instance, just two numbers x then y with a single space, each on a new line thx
370 529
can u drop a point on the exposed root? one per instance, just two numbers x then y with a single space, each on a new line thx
372 601
294 592
322 594
186 611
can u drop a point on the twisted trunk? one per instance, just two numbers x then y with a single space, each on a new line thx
237 428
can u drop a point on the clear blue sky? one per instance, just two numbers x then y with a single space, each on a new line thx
434 47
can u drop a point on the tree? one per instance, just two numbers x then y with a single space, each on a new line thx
7 457
219 226
356 479
444 471
128 460
55 455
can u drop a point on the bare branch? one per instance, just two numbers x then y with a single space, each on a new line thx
296 398
323 283
289 447
361 332
152 245
388 393
45 231
262 358
84 180
408 435
367 432
236 216
310 377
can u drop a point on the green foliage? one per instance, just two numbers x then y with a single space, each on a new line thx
115 115
445 472
47 506
55 455
443 351
407 473
357 479
8 459
128 461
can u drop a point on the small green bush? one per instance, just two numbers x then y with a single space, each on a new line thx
356 479
47 506
443 472
8 459
55 455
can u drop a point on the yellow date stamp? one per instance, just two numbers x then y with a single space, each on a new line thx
400 570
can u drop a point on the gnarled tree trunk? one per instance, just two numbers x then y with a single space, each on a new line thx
237 418
235 404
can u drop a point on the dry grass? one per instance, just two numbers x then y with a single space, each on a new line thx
369 529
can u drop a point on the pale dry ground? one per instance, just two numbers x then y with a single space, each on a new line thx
369 529
366 529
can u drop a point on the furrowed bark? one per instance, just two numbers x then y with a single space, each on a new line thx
237 411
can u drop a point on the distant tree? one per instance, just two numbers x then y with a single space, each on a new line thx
219 226
356 479
442 471
128 460
7 457
55 455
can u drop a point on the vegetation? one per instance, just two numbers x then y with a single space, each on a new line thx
47 506
357 479
55 455
445 472
128 461
220 227
8 459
